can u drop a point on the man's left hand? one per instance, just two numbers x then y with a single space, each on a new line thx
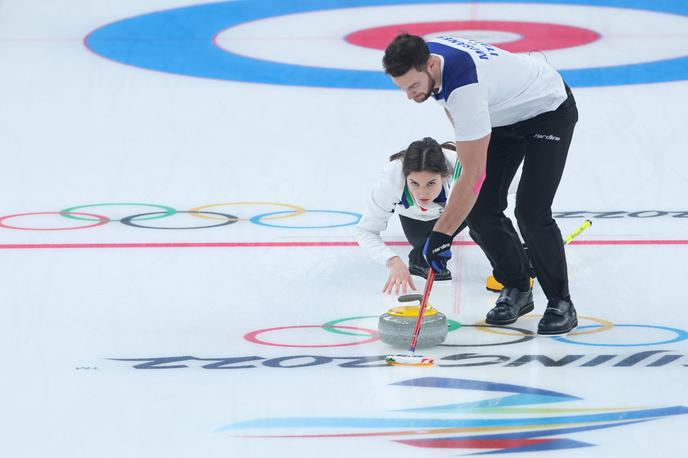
437 250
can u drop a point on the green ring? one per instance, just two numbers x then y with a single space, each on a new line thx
337 331
169 211
453 325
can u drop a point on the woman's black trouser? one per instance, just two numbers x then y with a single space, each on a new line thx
542 144
417 232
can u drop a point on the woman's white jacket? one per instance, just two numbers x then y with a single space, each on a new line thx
390 194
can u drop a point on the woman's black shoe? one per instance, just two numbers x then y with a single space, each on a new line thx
510 305
421 271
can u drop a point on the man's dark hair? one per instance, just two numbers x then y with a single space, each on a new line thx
404 53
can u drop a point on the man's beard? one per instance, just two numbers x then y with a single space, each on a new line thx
430 91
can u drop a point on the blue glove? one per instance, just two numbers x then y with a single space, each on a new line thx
437 251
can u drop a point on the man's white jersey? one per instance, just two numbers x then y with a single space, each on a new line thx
484 86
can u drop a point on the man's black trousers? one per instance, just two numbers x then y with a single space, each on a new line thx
542 144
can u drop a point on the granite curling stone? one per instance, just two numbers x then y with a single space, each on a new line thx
396 326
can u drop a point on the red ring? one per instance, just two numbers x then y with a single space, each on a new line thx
101 220
251 336
536 36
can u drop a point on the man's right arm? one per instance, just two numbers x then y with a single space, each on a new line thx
451 120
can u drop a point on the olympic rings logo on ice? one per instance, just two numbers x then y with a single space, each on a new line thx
514 335
209 213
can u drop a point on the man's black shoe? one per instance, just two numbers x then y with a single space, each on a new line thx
421 271
559 318
511 304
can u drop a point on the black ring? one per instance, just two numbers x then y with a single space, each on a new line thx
528 335
231 219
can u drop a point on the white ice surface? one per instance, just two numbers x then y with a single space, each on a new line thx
76 129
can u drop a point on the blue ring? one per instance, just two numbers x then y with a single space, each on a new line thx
680 335
257 219
180 41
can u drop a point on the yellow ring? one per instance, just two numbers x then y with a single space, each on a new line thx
297 210
606 326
